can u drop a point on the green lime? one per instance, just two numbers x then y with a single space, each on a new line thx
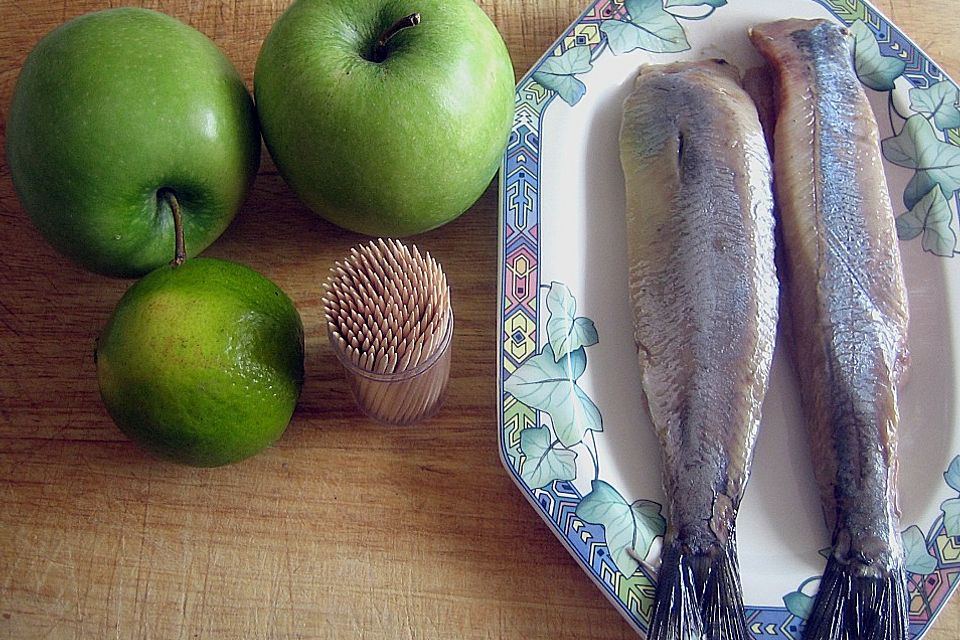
202 363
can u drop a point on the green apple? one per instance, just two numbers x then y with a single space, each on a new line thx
116 114
382 122
202 362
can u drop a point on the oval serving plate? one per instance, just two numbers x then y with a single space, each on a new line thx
573 432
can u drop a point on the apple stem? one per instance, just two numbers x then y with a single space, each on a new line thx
406 22
180 250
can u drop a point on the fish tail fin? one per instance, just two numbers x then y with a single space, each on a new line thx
722 599
857 607
698 595
676 612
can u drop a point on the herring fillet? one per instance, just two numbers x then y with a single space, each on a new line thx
848 307
704 293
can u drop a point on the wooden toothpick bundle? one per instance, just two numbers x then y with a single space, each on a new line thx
390 322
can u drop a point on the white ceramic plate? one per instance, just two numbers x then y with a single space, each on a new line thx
573 433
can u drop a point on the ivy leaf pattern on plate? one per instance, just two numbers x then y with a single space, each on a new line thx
938 102
629 529
916 557
874 69
799 604
937 163
566 331
557 73
952 474
951 507
550 384
548 381
544 462
648 27
951 516
932 217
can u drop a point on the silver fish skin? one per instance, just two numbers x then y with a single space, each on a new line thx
704 292
848 319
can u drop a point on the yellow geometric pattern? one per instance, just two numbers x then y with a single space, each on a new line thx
583 34
519 325
948 548
520 267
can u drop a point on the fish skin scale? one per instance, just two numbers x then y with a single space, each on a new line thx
704 325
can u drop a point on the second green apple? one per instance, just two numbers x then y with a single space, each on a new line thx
386 117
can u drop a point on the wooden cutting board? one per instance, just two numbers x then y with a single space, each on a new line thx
344 529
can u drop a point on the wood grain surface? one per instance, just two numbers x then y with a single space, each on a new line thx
344 529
